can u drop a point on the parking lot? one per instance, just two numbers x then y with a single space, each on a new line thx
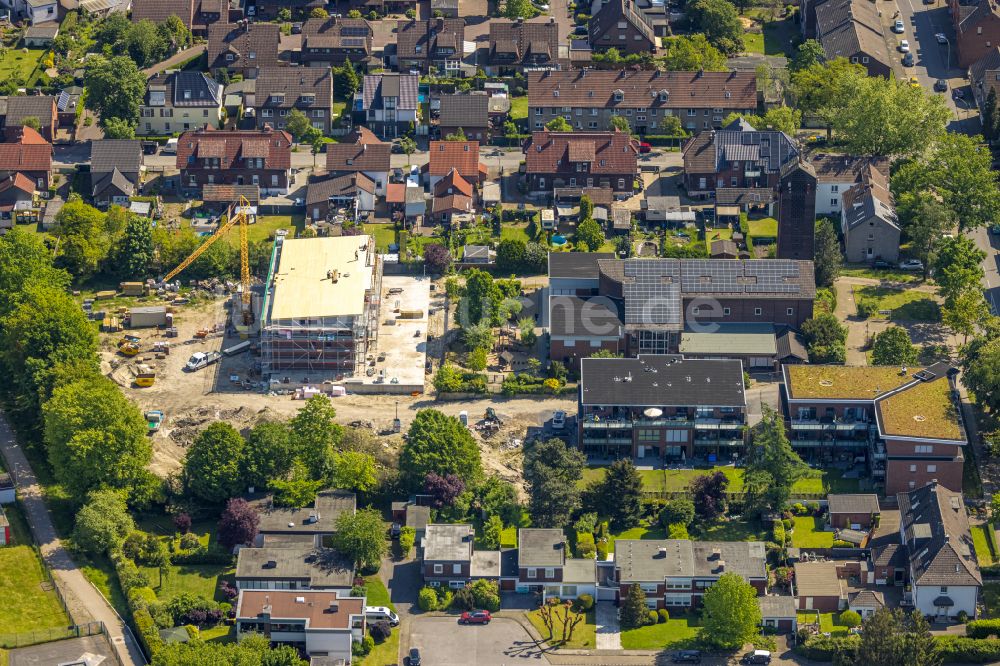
443 642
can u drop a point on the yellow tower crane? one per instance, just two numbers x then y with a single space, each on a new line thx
239 217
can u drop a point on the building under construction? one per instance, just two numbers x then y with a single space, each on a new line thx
321 308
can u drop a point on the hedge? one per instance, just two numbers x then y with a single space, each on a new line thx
958 649
983 629
202 555
823 648
134 585
662 139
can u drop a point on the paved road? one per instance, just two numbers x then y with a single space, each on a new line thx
442 641
85 603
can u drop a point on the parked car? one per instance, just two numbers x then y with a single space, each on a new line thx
908 60
394 531
904 46
911 265
296 28
475 617
376 613
940 85
957 93
941 39
645 147
687 657
756 657
882 264
414 657
558 420
897 27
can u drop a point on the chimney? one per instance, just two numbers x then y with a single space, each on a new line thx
722 565
661 552
334 607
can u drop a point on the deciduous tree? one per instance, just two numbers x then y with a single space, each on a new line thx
212 469
315 435
825 338
133 252
437 258
102 523
551 472
361 536
730 616
354 470
441 444
808 54
925 220
589 235
708 492
720 22
115 88
958 266
893 347
981 370
691 53
268 454
238 524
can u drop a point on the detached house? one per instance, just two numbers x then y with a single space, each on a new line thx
115 171
180 101
388 103
943 570
469 113
453 195
262 157
41 107
361 152
581 159
280 90
459 156
243 48
621 25
437 42
515 45
335 40
868 221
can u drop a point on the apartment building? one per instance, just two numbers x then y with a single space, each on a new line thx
280 90
178 101
437 42
661 406
620 24
516 45
904 422
335 40
588 99
581 159
835 174
675 573
213 157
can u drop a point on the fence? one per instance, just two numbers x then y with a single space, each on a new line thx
37 636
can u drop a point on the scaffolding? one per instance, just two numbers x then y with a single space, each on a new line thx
321 348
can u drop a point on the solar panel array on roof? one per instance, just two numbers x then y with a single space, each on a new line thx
352 41
707 275
773 276
652 292
354 31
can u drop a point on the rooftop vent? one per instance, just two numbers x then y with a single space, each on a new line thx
270 564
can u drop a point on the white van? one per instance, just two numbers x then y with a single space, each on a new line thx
170 148
376 613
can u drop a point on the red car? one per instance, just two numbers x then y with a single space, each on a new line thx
475 617
645 147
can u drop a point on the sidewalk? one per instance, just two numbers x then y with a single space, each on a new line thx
84 602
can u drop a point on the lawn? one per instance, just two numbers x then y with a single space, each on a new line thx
829 623
991 600
268 224
753 42
337 109
198 579
19 65
519 108
766 227
643 532
981 542
673 480
386 652
30 603
508 538
584 634
515 232
385 235
887 275
680 631
905 304
730 530
220 633
101 573
809 533
375 592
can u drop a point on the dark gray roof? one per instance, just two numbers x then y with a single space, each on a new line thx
47 30
346 185
857 503
741 196
580 265
791 344
417 517
464 111
114 180
378 86
541 547
30 106
988 63
659 380
321 519
187 89
318 568
654 560
936 533
775 606
849 27
294 87
109 154
598 316
866 599
769 150
449 543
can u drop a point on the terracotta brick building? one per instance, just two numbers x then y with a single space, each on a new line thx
581 159
262 157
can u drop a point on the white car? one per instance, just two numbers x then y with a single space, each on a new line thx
904 46
941 39
897 27
376 613
911 265
558 420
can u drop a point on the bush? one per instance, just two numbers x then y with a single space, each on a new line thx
788 524
678 531
407 536
962 617
867 307
664 615
362 648
778 533
823 648
840 543
652 617
427 599
585 546
190 541
799 509
850 619
379 630
584 603
958 649
602 550
983 628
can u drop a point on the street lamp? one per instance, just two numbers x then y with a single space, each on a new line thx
946 41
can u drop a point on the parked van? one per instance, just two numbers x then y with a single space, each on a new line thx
170 148
376 613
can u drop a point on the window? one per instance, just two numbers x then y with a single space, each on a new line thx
864 59
550 572
758 311
593 112
932 468
913 468
834 202
923 448
912 485
532 573
944 589
538 110
676 436
790 312
621 183
692 112
648 588
835 188
438 568
651 604
434 583
649 435
726 311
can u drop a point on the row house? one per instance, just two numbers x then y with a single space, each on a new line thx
437 42
178 101
903 422
388 104
643 306
581 159
212 157
115 171
676 573
449 557
280 90
335 40
852 29
619 24
977 29
361 152
196 15
544 567
295 567
661 406
589 99
242 48
519 44
40 107
869 226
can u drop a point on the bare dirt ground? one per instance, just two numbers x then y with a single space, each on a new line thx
192 400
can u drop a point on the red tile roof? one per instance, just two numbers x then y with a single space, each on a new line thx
642 89
274 146
460 155
359 151
453 183
18 182
30 153
559 152
395 193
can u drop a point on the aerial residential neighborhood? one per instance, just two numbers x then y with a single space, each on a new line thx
451 332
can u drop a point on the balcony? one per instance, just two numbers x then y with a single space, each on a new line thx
605 424
829 424
716 424
599 441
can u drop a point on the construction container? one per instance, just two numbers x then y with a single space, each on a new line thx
148 317
104 295
145 379
132 288
411 314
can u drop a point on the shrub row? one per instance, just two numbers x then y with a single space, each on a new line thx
958 649
983 629
139 595
202 555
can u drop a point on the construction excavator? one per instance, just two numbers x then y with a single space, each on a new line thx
240 217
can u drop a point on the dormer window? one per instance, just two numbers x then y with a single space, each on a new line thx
619 95
555 93
252 55
664 95
418 49
728 94
187 94
466 147
230 57
278 99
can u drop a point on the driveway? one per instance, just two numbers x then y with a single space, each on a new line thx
444 643
609 635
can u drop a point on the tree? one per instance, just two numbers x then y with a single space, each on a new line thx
492 533
497 497
720 22
692 53
551 472
441 444
482 296
175 32
991 119
267 454
634 612
708 492
83 244
95 437
590 235
809 54
620 124
437 258
315 435
828 259
33 122
622 492
457 135
116 128
586 208
355 471
893 347
772 454
891 638
361 537
677 512
515 9
298 124
115 88
526 329
510 254
925 219
965 313
730 615
319 13
980 361
558 124
671 126
820 89
825 338
103 522
409 146
238 523
890 117
958 266
212 470
850 619
345 81
298 489
133 252
477 359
